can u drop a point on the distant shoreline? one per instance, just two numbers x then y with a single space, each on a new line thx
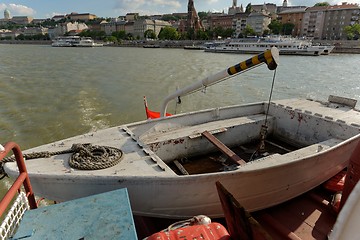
341 46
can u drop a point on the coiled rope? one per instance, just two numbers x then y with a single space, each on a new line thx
89 157
84 157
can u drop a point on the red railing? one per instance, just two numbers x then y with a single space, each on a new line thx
22 179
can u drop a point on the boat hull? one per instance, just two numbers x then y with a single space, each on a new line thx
327 136
253 51
285 46
186 196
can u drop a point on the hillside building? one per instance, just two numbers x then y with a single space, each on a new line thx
141 26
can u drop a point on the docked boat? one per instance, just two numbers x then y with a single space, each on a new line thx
194 47
265 153
151 46
286 47
327 49
75 41
65 41
87 42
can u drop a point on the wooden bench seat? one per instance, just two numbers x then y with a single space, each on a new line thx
196 131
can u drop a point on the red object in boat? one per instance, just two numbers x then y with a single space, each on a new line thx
151 114
211 231
336 183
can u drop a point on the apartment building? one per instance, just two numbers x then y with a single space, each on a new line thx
313 22
239 23
220 20
115 25
294 16
337 17
63 28
30 31
259 21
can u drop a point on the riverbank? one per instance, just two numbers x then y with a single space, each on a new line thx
344 46
341 46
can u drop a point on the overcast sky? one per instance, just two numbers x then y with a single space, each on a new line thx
114 8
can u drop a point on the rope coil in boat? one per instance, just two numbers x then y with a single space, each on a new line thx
89 157
84 157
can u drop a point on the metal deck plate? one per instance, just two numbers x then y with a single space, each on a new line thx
102 216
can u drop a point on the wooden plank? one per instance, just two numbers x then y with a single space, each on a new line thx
181 168
240 224
223 148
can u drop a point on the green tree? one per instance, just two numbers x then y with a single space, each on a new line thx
202 35
353 31
229 32
111 39
190 34
129 36
322 4
169 17
248 8
248 31
20 37
120 35
266 32
183 36
218 32
202 15
168 33
150 34
94 34
275 27
287 28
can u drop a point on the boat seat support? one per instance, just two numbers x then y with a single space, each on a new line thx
223 148
180 167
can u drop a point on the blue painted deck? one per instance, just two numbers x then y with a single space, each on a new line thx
102 216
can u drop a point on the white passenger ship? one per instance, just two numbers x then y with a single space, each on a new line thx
286 47
75 41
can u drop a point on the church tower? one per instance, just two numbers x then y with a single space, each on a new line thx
285 4
193 20
7 14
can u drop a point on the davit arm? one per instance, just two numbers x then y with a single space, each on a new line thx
270 57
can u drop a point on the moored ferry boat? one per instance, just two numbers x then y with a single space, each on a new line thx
75 41
285 47
65 41
327 49
87 42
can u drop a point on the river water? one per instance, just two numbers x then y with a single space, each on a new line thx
47 94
